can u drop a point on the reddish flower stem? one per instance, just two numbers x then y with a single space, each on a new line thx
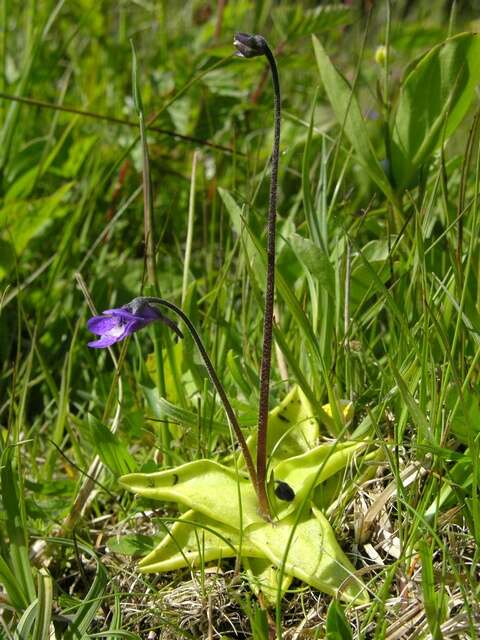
269 300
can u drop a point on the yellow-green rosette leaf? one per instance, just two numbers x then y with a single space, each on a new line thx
303 473
202 485
195 539
308 550
264 577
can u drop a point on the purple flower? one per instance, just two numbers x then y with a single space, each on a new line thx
116 324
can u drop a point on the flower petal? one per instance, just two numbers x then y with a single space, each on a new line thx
134 325
102 324
121 313
116 324
145 314
103 342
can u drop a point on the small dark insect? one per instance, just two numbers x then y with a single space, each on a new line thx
175 479
284 491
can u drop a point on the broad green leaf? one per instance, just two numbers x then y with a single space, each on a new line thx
26 219
292 427
315 260
132 545
349 116
26 622
263 576
45 600
163 409
17 532
313 555
212 493
112 451
376 254
309 551
204 486
337 627
434 99
194 539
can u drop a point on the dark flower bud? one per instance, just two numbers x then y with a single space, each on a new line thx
249 46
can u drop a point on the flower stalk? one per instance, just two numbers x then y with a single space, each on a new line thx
249 46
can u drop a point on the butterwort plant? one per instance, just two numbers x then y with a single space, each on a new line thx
279 535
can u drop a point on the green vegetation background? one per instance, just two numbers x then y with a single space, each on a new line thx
402 343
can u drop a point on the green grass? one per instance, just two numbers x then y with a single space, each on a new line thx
377 303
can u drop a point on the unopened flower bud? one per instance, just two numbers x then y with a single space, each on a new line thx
249 46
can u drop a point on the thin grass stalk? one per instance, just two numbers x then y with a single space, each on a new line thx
347 321
42 104
191 215
147 183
